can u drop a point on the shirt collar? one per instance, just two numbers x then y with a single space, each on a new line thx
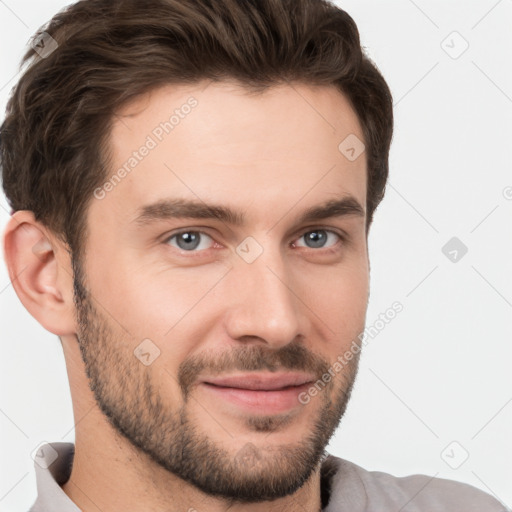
53 462
342 486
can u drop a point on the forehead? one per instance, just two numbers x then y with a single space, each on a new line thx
218 142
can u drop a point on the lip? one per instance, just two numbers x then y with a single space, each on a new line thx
259 393
261 381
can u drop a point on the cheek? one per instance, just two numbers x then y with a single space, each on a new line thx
353 292
340 299
340 291
170 306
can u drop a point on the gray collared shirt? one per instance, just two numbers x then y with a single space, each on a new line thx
345 487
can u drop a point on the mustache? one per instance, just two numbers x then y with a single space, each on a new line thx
250 358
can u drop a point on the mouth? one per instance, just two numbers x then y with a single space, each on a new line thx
262 381
264 393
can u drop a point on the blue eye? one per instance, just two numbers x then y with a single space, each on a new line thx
196 241
189 240
317 238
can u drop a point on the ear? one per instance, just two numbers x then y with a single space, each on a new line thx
40 271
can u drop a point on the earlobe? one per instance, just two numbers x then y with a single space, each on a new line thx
40 272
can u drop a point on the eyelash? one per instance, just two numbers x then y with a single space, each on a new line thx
343 238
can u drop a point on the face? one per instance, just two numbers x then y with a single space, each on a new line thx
225 277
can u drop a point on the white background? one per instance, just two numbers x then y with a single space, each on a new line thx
440 371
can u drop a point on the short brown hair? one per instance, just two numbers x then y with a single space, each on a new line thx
54 140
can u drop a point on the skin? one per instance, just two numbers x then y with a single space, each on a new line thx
295 307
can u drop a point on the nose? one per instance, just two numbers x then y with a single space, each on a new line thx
263 303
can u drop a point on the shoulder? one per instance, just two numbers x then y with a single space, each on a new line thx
415 493
423 492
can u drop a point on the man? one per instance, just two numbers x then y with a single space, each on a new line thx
192 185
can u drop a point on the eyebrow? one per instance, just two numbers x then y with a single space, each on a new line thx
167 209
